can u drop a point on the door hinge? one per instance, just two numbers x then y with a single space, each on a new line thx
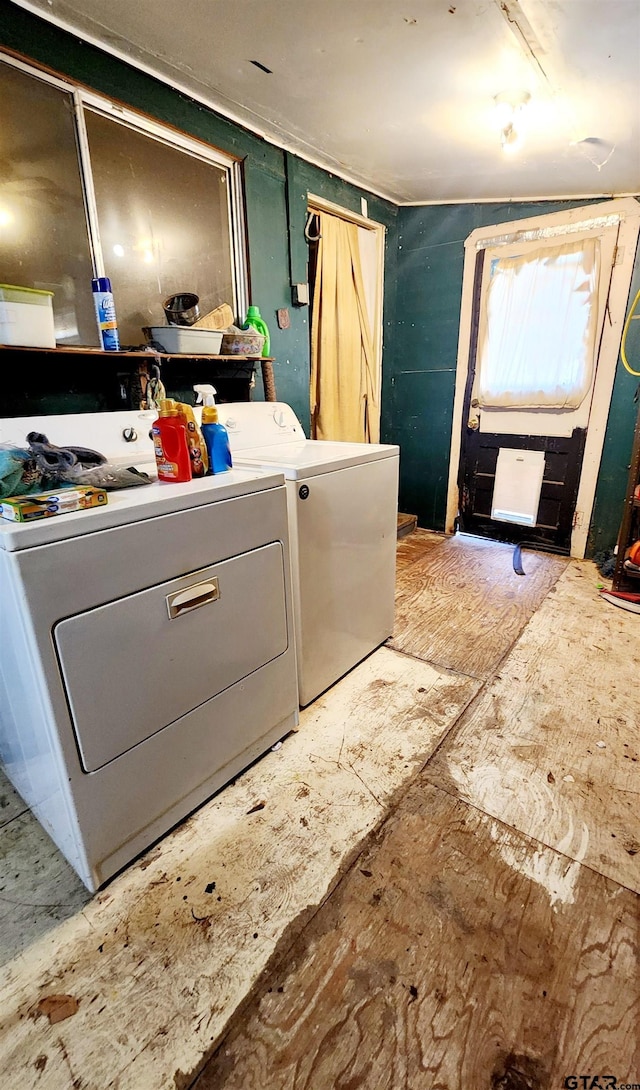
576 521
618 255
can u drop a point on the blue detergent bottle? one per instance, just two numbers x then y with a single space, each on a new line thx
213 433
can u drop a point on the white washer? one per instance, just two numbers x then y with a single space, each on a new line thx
343 502
146 647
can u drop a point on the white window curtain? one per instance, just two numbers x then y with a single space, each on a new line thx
538 328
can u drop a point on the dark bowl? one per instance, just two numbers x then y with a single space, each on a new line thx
182 309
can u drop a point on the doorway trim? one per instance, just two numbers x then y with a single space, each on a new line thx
627 211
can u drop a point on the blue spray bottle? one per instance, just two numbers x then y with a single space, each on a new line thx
213 433
105 313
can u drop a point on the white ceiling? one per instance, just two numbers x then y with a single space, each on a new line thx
399 96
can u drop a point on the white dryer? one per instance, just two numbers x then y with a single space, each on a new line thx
343 502
146 647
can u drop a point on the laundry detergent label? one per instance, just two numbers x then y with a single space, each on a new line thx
167 469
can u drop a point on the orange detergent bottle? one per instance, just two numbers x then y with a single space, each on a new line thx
170 443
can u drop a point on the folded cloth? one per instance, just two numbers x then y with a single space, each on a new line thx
43 466
110 477
56 462
19 474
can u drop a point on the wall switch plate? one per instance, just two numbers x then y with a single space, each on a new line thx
284 318
300 295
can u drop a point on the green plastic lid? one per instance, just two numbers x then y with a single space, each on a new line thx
33 297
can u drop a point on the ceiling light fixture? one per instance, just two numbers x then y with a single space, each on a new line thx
509 106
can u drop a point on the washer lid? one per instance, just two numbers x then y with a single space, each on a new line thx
134 504
309 457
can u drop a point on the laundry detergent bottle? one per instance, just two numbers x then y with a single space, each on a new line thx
214 433
195 442
170 446
256 321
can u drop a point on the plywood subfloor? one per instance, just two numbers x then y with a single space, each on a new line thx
161 958
552 745
159 961
460 953
11 805
448 958
415 547
461 605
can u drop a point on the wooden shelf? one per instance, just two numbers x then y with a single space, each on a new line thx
139 353
83 378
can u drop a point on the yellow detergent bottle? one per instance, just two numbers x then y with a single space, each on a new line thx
195 442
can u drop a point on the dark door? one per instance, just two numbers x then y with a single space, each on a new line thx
562 462
485 432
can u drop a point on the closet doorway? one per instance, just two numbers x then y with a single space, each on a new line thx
346 278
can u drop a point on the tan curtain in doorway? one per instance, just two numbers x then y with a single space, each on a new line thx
345 395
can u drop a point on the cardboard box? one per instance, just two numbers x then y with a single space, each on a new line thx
45 504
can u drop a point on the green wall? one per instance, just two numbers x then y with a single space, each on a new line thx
276 183
616 454
420 377
423 275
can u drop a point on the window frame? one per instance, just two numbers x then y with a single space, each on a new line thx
83 97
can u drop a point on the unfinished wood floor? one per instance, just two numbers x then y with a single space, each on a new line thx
469 948
459 603
442 964
489 939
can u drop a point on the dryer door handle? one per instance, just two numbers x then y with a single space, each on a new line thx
200 594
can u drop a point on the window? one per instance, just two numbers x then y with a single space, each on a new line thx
164 224
87 185
43 230
538 328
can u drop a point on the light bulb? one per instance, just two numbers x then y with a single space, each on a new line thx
510 139
508 108
504 114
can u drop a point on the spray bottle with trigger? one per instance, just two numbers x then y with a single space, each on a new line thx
213 433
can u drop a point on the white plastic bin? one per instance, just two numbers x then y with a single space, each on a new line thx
26 317
184 339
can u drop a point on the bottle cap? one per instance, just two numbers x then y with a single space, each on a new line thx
168 407
101 283
253 312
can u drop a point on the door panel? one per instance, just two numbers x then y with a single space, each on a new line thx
563 457
133 666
